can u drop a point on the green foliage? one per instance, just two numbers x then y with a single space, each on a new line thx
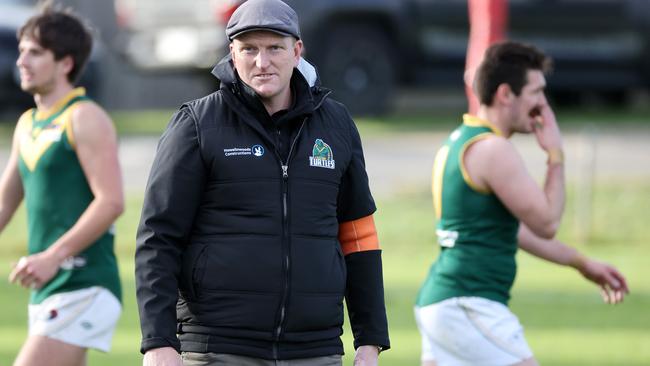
564 318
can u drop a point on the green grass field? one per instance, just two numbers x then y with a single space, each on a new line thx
565 321
147 122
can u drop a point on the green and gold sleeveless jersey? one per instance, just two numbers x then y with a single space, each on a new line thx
476 233
56 194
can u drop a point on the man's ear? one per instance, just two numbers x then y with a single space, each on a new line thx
297 51
232 54
67 64
504 94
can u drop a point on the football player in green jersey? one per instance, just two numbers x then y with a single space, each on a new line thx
64 164
487 206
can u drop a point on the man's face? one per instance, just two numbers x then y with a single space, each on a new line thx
265 62
528 104
39 71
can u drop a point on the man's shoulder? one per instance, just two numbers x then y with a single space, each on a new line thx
89 113
333 105
215 97
206 105
488 146
335 112
494 143
88 124
87 106
26 117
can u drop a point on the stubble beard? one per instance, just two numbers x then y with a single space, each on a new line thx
41 88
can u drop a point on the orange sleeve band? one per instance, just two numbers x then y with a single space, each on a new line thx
358 235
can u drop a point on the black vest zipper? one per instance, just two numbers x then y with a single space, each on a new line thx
286 243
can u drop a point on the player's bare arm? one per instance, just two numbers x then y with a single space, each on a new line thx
612 283
549 138
96 145
11 187
494 164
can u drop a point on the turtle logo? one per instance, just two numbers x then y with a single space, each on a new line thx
322 155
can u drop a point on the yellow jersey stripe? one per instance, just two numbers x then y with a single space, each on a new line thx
76 92
463 169
438 174
474 121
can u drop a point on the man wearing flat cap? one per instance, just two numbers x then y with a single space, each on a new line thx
257 220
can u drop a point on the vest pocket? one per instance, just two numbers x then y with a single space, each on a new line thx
233 313
193 266
318 281
240 263
318 266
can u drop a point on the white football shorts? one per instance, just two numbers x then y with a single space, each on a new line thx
467 331
86 318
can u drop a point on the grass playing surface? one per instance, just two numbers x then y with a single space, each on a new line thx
565 321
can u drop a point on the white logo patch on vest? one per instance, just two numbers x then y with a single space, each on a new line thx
322 155
255 150
258 150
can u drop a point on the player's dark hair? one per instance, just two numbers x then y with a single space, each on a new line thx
63 33
508 62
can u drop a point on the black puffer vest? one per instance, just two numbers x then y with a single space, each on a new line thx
263 273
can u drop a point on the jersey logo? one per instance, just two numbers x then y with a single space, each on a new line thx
447 238
71 263
35 143
322 155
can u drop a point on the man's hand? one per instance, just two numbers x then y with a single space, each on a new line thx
547 131
366 356
35 270
612 283
164 356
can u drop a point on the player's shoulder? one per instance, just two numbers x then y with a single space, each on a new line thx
90 123
25 117
88 112
491 146
23 125
88 107
26 114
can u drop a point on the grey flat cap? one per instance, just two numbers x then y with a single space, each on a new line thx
268 15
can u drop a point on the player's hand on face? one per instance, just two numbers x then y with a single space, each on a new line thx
547 130
613 286
35 270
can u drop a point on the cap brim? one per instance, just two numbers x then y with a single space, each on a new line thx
261 29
